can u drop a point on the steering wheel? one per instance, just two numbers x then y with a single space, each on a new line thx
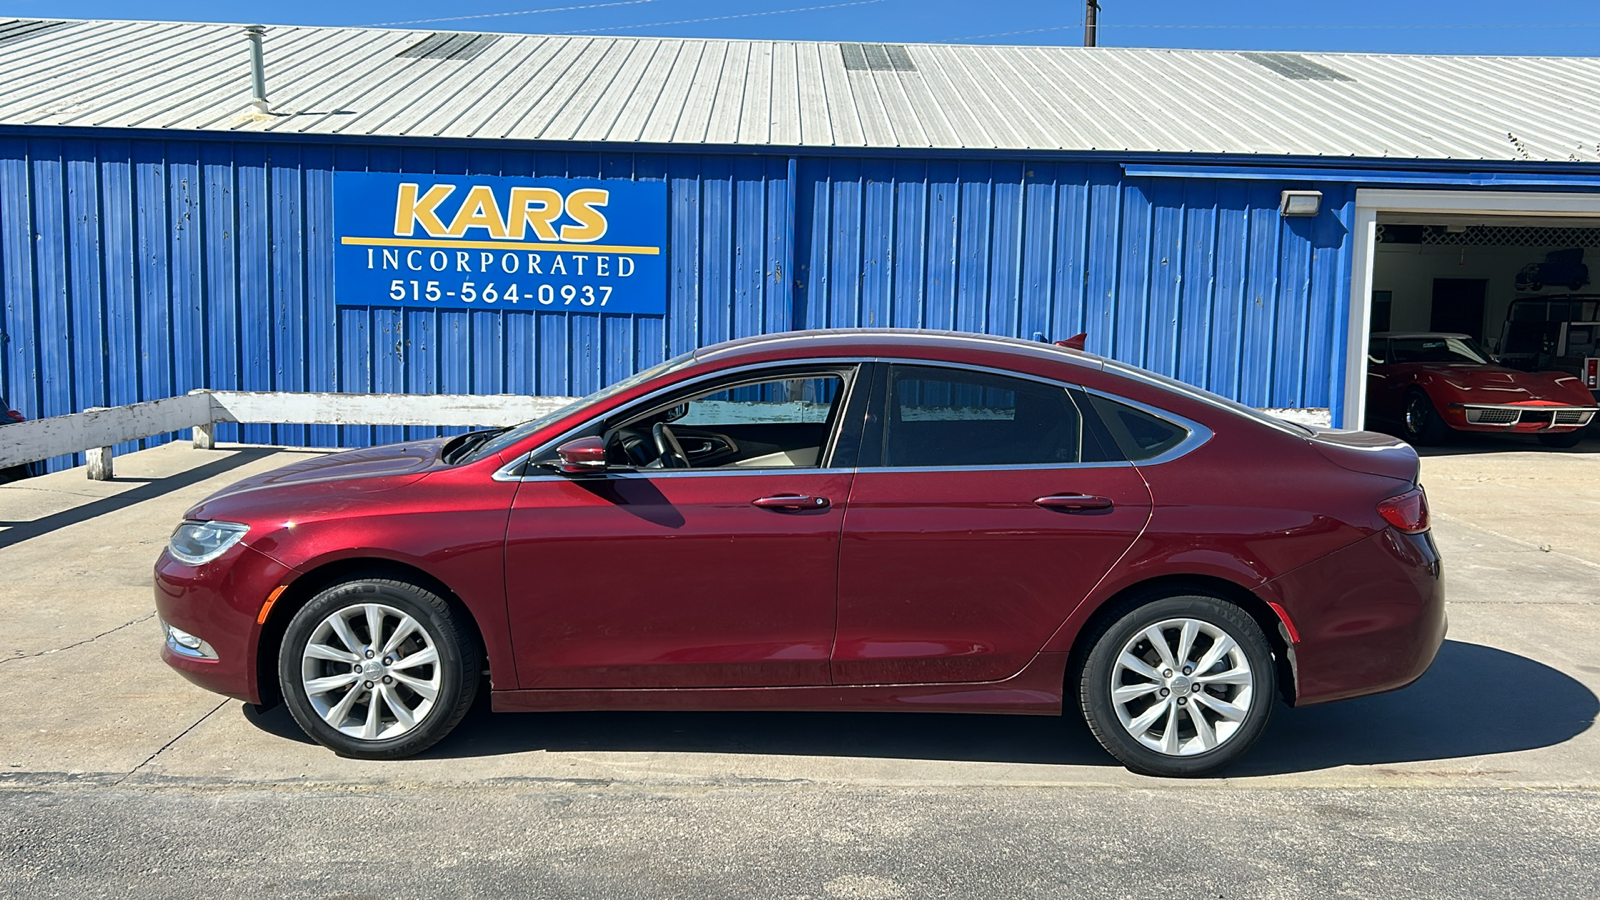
671 452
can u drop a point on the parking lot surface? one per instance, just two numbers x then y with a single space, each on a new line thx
119 777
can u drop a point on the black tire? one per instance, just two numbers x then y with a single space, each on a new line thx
1562 439
454 676
1420 421
1230 737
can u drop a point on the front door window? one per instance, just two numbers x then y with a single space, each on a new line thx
706 555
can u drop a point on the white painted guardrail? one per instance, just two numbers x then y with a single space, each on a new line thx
97 430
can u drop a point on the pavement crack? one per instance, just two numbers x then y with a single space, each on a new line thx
180 736
88 640
1518 541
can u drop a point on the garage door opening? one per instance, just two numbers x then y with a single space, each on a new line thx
1484 298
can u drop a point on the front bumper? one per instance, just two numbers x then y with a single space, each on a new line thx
218 603
1369 618
1518 418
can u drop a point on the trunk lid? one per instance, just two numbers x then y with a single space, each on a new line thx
1368 451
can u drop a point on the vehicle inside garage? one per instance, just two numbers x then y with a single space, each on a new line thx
1525 290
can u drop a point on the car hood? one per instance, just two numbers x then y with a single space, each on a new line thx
352 472
1498 384
1369 452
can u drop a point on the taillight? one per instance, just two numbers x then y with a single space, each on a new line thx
1407 512
16 416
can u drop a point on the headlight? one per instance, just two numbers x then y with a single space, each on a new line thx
197 543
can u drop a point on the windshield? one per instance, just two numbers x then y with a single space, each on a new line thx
1437 350
516 433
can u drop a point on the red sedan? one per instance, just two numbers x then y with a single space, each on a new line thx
861 520
1432 384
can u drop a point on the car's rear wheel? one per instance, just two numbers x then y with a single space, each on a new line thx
377 669
1562 438
1179 686
1421 422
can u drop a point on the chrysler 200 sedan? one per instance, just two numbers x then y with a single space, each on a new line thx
841 520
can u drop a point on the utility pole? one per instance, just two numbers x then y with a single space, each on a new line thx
1090 10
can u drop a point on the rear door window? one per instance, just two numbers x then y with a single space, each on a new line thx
938 417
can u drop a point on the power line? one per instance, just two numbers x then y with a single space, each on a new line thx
770 12
1364 27
520 12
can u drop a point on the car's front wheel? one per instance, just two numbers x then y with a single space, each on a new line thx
1179 686
1421 422
377 669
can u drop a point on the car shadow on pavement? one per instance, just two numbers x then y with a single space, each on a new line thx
1474 701
1464 444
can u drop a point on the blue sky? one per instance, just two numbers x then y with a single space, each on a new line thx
1551 27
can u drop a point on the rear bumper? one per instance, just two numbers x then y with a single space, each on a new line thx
1369 618
218 603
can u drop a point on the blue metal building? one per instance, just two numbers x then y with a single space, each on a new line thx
158 233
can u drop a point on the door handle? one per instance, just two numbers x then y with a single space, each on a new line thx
1073 502
791 502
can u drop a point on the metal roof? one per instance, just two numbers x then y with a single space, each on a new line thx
358 81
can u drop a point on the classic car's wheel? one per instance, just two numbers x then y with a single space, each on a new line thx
1180 686
1562 438
377 669
1420 421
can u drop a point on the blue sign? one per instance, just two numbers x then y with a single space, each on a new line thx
488 242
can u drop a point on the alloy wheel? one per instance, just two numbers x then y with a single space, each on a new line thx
1182 686
371 671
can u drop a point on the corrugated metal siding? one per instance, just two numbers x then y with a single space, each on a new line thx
1199 279
142 269
355 82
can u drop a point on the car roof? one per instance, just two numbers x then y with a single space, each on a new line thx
892 342
1421 334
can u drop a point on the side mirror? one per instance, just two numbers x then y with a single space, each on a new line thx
583 456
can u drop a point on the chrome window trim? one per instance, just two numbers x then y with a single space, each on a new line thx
652 474
1007 467
1198 434
1197 437
506 472
1200 395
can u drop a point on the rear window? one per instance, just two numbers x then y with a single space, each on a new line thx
1140 434
1205 396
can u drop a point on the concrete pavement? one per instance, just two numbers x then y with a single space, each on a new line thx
1494 749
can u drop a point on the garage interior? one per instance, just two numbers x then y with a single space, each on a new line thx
1463 273
1435 272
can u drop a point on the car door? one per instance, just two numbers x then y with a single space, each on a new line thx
984 510
719 574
